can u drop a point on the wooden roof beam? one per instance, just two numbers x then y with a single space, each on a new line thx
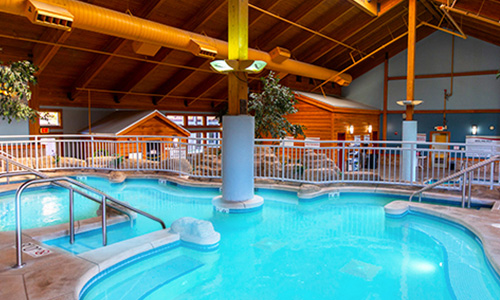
195 22
295 16
42 53
113 46
373 43
313 57
178 78
202 89
322 50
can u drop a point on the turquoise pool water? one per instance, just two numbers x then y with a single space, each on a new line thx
344 248
43 207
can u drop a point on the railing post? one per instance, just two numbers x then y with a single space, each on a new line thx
464 184
19 240
92 151
469 192
71 217
7 170
137 155
343 161
104 228
282 159
36 154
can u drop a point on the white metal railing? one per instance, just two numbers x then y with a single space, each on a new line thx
378 162
466 180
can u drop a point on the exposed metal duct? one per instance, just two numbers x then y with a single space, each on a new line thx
98 19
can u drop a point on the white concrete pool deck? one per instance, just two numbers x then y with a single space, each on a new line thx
61 275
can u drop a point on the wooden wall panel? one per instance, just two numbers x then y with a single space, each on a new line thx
359 121
316 120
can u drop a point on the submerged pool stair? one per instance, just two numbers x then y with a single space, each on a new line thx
157 276
73 186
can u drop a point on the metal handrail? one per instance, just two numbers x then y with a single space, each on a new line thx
104 196
463 172
55 180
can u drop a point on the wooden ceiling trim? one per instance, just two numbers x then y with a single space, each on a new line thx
113 46
386 6
313 57
42 53
177 97
308 29
142 71
294 16
330 17
373 40
178 78
201 89
490 9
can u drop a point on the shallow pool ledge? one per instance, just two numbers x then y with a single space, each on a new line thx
108 256
237 207
484 223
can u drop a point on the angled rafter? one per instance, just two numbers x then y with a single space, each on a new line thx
324 48
203 88
143 70
328 48
43 54
295 16
113 46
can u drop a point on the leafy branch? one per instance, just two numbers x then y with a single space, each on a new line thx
15 91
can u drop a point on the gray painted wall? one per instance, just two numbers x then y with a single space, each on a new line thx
433 56
74 119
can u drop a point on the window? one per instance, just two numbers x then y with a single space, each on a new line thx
213 135
179 120
51 118
195 120
212 121
195 146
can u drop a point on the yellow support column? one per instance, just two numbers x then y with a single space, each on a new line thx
410 75
238 50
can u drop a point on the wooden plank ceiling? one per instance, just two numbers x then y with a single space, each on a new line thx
80 66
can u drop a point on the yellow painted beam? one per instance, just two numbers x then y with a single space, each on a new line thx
368 6
410 75
237 50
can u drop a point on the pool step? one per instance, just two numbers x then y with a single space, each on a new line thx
152 279
465 282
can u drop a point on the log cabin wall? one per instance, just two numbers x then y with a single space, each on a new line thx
326 123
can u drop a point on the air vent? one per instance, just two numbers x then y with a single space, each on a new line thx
279 55
49 15
202 49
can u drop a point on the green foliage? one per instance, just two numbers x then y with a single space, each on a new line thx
270 108
15 91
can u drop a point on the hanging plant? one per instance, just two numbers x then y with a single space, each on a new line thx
15 91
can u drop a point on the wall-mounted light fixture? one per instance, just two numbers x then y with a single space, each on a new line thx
351 129
473 129
370 128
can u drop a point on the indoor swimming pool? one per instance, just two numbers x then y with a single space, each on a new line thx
332 248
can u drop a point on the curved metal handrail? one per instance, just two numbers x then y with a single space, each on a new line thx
457 174
56 181
105 197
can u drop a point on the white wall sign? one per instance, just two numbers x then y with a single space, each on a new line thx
477 145
312 142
